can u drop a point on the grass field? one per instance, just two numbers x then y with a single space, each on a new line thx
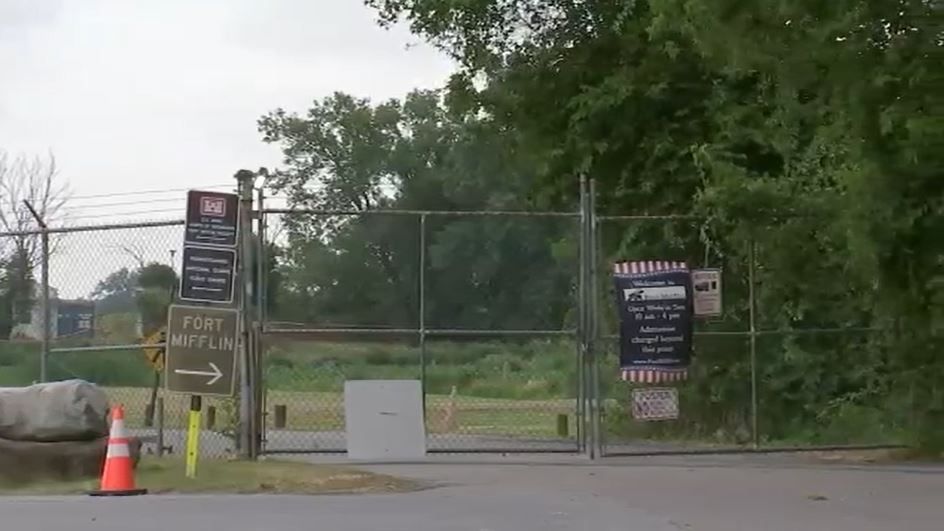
509 389
504 388
232 477
324 411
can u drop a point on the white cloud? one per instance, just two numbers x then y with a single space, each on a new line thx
146 95
166 94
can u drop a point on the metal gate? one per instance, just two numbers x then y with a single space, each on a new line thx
487 309
507 318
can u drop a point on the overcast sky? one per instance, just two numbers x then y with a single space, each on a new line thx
150 95
144 94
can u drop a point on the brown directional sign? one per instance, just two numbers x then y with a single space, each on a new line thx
201 350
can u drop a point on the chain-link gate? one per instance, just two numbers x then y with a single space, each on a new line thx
507 318
499 374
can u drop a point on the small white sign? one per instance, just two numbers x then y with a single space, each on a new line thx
656 403
706 284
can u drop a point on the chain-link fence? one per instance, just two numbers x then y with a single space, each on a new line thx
109 288
790 364
507 318
478 306
714 406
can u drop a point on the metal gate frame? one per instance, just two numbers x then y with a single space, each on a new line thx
585 407
590 438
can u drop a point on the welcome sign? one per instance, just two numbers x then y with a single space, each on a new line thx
654 299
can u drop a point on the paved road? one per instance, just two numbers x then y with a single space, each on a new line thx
758 493
738 493
436 510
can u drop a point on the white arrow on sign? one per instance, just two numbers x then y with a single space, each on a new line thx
216 373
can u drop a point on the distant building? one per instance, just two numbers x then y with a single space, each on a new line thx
69 318
75 318
33 330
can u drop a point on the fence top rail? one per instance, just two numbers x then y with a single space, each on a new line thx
651 217
93 228
777 332
398 212
429 332
483 213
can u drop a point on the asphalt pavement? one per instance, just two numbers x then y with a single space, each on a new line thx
756 493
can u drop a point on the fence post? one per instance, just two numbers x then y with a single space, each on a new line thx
581 339
755 435
246 397
593 242
422 310
261 271
589 370
160 426
261 397
47 314
44 297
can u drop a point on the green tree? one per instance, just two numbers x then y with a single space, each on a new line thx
116 293
148 290
361 268
811 129
853 95
157 284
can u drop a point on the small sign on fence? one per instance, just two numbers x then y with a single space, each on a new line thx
707 292
655 403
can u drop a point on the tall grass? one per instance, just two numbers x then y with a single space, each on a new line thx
515 370
714 403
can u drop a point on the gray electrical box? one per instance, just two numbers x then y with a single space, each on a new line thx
384 419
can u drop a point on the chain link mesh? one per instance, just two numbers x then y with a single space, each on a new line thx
481 308
110 287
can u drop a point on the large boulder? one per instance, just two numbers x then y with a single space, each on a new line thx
72 410
25 461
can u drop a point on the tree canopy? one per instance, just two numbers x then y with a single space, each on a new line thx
804 136
148 290
362 269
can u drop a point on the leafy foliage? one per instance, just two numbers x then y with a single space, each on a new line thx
811 129
16 293
149 290
362 268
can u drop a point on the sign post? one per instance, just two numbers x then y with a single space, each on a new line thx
155 356
202 342
200 359
193 435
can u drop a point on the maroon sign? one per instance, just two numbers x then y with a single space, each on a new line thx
212 219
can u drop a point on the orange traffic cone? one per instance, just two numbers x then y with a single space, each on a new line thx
118 475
